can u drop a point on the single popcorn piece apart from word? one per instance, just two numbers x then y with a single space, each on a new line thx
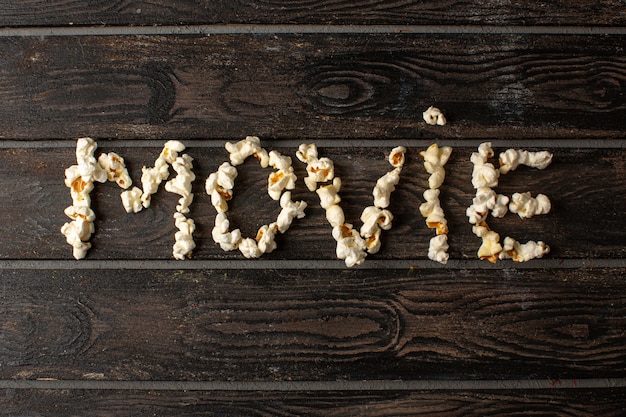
220 186
434 116
435 158
484 178
512 158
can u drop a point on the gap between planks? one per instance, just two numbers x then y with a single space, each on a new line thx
329 143
236 29
261 264
319 386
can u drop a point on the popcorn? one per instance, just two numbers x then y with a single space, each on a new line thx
512 249
318 170
525 206
329 194
490 248
113 165
266 238
219 185
184 243
434 160
335 215
181 184
279 181
373 243
350 246
250 146
131 200
438 249
227 240
151 178
79 178
373 219
432 211
396 156
484 177
434 116
290 210
512 158
385 186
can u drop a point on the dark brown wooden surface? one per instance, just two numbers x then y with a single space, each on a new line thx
302 325
312 86
163 12
128 331
553 402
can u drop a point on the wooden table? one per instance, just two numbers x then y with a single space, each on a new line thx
130 331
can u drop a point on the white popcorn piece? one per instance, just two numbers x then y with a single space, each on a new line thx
170 151
335 215
374 218
526 206
438 249
435 159
219 186
329 194
266 238
512 249
490 248
249 146
131 200
384 187
397 157
114 166
350 246
277 182
181 184
290 210
433 213
434 116
500 208
227 240
307 153
512 158
485 175
79 178
184 244
249 248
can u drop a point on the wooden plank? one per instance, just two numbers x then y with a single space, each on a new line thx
313 325
584 186
583 403
312 86
163 12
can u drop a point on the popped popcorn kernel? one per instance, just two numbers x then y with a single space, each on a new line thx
227 240
241 150
384 187
512 158
249 248
396 157
114 166
438 249
526 206
512 249
181 184
131 200
184 244
434 116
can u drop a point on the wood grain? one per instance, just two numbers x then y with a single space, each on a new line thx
163 12
586 188
582 403
312 86
286 325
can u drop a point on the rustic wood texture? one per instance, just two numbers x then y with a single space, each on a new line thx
287 325
163 12
586 188
312 86
555 402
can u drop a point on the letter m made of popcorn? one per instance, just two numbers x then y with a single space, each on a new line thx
80 179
